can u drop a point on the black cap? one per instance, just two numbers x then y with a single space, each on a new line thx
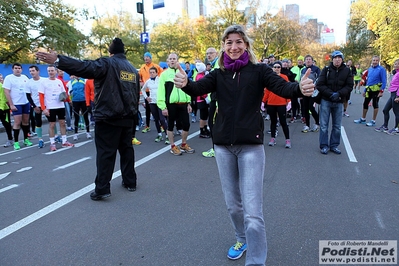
116 47
278 63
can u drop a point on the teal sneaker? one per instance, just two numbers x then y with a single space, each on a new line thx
167 142
158 138
236 251
360 121
371 123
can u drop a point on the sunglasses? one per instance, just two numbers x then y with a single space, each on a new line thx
277 67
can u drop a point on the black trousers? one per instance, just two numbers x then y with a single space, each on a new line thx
109 139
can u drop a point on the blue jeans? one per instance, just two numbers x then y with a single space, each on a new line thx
241 171
334 109
67 114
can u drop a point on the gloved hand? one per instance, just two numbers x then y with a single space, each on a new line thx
335 97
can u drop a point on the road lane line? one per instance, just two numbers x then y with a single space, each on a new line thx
8 188
379 219
82 143
348 146
24 169
64 201
72 163
4 175
58 150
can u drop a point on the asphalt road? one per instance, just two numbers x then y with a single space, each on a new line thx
177 216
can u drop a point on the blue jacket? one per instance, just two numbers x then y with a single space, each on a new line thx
314 74
78 90
377 75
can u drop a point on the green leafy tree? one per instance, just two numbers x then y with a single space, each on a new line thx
277 35
208 32
30 24
374 29
172 36
359 38
383 21
228 13
123 25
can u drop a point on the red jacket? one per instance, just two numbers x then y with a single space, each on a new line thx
89 91
270 98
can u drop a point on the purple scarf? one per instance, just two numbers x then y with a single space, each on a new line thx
235 65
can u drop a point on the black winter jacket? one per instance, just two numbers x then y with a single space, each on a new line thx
239 96
116 84
333 79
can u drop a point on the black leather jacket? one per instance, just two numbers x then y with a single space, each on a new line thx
239 96
116 84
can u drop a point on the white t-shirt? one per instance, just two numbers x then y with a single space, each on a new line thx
33 89
51 90
17 87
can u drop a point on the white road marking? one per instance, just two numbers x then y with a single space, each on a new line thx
4 175
72 163
379 219
24 169
35 146
82 143
3 163
348 146
62 202
8 188
58 150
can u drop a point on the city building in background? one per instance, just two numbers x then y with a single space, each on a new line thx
181 8
327 36
195 8
319 31
292 12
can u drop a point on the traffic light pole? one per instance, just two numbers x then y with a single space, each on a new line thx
140 10
145 44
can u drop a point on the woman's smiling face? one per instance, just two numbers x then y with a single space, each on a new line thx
234 46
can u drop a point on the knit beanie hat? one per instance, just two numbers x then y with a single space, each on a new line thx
278 63
200 67
148 54
117 47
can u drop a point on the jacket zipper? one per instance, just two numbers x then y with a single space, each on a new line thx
238 83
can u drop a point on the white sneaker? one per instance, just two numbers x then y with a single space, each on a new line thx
88 135
9 143
305 129
315 128
75 137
